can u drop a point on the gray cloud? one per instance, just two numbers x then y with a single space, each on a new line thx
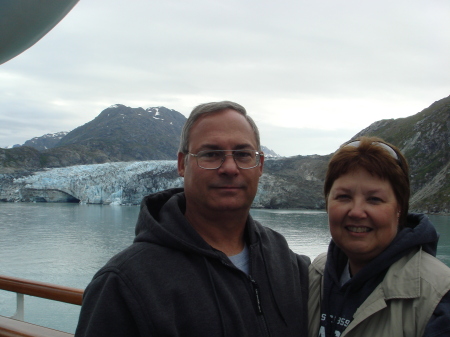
316 72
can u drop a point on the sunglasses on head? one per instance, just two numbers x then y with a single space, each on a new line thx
389 149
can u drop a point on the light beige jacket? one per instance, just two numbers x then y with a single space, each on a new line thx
401 305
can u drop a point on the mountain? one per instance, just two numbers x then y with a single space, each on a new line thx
45 142
268 153
119 133
292 182
124 134
424 139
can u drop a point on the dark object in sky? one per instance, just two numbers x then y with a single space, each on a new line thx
25 22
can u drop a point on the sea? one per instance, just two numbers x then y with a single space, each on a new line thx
66 244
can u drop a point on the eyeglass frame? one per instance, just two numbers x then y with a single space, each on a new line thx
258 155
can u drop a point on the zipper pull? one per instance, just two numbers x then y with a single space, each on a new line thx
258 300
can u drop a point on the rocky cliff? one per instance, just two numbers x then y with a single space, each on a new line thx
424 139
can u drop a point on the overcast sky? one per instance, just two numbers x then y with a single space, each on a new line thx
311 73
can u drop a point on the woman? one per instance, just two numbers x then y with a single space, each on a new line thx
380 276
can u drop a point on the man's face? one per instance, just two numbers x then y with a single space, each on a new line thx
227 188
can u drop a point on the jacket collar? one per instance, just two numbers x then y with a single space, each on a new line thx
403 278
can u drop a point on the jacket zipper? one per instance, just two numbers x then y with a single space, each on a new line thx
255 287
256 291
258 305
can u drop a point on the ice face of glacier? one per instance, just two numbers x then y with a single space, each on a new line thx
117 183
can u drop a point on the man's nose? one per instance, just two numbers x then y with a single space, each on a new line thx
228 164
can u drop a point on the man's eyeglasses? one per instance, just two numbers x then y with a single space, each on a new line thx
213 159
380 144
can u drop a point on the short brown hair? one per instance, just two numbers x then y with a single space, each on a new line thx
366 153
210 108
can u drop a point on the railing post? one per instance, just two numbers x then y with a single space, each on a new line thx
20 308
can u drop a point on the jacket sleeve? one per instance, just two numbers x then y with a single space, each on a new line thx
439 324
303 262
109 309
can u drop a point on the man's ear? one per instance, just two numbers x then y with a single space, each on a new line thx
261 165
181 164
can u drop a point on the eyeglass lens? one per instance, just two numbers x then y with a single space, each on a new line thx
213 159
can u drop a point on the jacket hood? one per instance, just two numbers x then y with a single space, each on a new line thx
161 221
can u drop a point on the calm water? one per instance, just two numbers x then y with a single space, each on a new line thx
67 243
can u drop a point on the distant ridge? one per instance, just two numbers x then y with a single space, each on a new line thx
268 153
45 142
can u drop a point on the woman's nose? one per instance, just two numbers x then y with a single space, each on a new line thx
357 209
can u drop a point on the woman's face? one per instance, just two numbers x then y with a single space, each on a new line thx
363 216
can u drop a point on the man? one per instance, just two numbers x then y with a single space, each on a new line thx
200 265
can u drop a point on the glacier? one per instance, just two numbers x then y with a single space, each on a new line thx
118 183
